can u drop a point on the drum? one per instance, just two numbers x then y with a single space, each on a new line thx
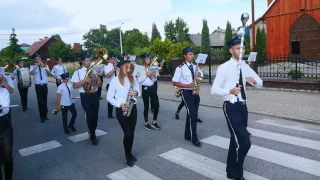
24 78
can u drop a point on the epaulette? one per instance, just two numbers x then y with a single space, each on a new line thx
182 64
194 63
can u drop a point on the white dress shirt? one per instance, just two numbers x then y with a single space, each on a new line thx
117 93
78 76
183 74
36 76
147 81
226 79
65 96
58 69
106 69
7 76
4 100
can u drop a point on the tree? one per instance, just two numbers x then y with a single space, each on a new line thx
113 39
260 47
60 49
247 42
56 36
14 47
161 48
264 42
135 39
227 38
181 30
155 33
205 39
95 38
176 32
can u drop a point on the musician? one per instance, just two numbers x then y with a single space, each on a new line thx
147 80
111 70
40 80
155 83
118 95
6 81
23 91
125 56
89 101
6 136
179 109
57 70
64 99
236 113
184 79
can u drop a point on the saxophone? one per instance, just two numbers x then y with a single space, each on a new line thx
102 55
129 102
197 82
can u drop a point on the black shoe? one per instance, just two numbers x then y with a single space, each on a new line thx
111 117
155 126
72 128
199 120
196 143
187 139
132 158
95 141
148 127
239 178
177 115
67 131
42 120
129 162
46 118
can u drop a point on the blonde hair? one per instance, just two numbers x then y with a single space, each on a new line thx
121 75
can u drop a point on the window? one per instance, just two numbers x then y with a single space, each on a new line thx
295 47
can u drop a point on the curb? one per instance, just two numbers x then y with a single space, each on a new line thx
258 113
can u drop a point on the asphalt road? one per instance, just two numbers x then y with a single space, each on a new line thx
82 161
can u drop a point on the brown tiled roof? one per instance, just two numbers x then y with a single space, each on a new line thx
36 46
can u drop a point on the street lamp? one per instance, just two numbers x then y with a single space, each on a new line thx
120 38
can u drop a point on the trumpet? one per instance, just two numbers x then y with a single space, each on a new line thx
44 66
56 111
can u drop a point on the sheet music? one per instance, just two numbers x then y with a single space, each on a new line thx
132 58
153 69
97 68
201 59
252 56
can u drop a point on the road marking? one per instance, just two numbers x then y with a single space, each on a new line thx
307 143
85 136
277 157
200 164
291 125
132 173
39 148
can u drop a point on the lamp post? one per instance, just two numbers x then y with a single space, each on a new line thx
120 38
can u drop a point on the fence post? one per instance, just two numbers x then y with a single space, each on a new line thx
209 58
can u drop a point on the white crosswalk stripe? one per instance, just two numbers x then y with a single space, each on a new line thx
295 162
132 173
307 143
39 148
85 136
291 125
202 165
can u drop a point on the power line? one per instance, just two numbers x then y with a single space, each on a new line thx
41 34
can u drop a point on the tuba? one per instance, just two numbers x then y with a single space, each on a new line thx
9 65
102 54
197 82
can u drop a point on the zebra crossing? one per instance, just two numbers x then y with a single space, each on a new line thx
210 167
213 169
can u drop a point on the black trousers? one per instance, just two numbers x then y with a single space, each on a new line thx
42 94
128 125
90 104
237 119
156 87
110 107
64 112
180 106
23 96
100 88
150 92
6 147
192 104
58 82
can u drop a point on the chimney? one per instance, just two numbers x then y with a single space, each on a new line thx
46 37
40 39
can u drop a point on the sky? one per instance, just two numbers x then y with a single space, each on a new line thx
35 19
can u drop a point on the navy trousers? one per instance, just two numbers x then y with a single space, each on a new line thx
237 120
150 92
64 112
192 104
90 104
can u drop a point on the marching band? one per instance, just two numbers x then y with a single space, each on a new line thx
123 86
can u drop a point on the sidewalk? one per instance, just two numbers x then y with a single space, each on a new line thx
301 106
294 105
